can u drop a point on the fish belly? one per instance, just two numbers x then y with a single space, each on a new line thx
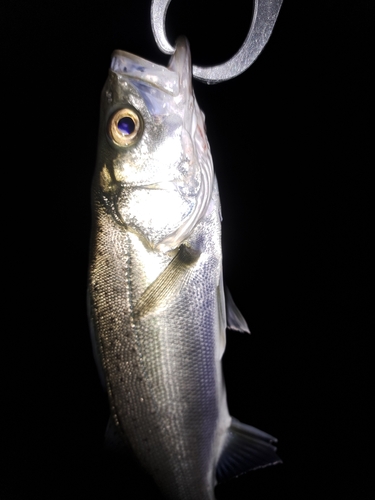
162 369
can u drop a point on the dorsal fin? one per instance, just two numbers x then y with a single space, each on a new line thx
246 448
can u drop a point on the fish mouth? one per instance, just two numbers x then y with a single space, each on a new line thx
171 185
174 185
163 185
165 79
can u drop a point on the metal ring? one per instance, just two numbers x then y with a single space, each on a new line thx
264 19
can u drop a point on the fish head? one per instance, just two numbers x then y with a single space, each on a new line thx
154 166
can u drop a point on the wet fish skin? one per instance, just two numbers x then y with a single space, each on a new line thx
156 299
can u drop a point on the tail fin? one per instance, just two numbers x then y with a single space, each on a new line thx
246 448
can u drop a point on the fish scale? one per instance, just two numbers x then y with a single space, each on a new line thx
141 362
156 296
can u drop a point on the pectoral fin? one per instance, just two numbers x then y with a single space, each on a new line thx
169 283
246 448
235 320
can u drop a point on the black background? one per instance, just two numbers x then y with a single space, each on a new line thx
291 145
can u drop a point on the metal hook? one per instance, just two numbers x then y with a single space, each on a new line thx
264 19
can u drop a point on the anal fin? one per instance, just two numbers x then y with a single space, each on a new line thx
246 448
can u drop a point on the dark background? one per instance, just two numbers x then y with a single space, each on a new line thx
292 151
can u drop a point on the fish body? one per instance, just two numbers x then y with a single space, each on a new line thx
156 297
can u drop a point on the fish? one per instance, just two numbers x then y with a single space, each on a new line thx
158 308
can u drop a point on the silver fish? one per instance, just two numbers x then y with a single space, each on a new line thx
156 296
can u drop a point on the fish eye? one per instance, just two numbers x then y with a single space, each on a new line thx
125 127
